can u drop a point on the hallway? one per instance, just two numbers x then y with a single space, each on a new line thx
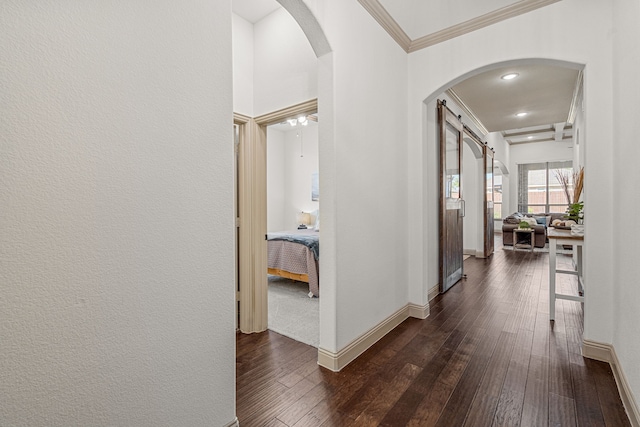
486 356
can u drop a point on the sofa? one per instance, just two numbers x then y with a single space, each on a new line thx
540 228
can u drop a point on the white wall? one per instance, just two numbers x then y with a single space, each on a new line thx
626 175
537 152
285 66
276 194
575 31
502 154
363 134
289 174
116 214
242 37
298 172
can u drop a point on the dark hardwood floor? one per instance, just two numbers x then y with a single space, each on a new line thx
487 355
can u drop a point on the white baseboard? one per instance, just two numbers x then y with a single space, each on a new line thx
607 353
418 311
234 423
336 361
433 292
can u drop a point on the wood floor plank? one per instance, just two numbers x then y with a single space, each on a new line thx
486 355
562 411
588 407
612 408
535 410
485 401
378 408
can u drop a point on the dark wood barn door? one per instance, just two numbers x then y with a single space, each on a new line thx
451 201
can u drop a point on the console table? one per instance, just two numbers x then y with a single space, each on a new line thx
563 237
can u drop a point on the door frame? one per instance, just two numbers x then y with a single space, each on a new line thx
252 196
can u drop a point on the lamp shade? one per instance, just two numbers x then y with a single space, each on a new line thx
304 218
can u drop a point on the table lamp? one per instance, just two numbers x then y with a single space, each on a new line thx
304 218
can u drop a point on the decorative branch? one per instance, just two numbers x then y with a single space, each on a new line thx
563 177
578 184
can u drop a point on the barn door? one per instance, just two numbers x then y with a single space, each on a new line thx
451 203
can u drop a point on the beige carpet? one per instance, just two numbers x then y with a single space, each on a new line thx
291 312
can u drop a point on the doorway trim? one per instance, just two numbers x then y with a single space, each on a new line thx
252 197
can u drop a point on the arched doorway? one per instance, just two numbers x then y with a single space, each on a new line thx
429 158
252 286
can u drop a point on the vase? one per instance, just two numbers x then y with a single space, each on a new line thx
577 229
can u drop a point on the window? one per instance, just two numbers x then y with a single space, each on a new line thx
539 190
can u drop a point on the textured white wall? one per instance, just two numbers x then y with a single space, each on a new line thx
298 171
575 31
289 174
626 175
242 66
502 154
365 133
116 214
276 193
285 66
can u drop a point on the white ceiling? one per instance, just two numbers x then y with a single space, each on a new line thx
254 10
545 92
419 18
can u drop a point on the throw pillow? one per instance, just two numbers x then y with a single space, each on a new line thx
514 218
542 220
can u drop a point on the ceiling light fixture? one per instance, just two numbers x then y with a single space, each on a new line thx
510 76
521 114
529 137
292 122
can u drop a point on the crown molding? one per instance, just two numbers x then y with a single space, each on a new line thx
380 14
476 121
391 26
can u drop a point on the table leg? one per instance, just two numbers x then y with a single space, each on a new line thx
579 266
532 239
552 279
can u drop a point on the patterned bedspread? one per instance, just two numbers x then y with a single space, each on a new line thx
296 252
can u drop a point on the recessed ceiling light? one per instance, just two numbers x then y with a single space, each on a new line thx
521 114
529 137
510 76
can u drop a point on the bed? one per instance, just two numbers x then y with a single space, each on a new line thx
295 255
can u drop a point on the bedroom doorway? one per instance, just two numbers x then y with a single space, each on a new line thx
252 205
293 229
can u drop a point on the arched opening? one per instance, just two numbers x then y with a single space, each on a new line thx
252 289
504 162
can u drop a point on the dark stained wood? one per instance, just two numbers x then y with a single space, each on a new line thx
487 355
451 202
